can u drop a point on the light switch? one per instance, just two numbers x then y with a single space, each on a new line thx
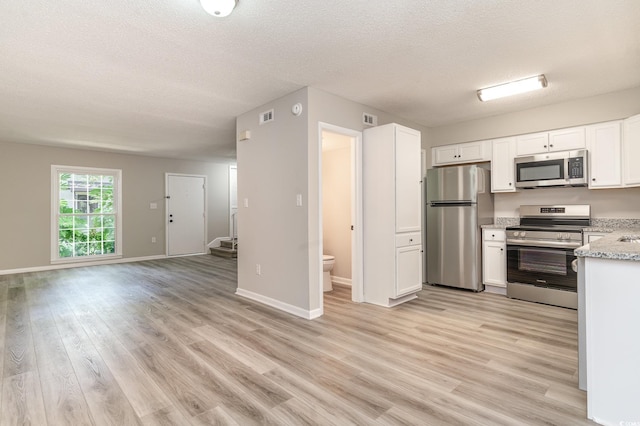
299 200
153 206
246 202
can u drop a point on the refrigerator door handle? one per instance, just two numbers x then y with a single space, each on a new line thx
462 203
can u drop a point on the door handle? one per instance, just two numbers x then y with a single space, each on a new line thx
170 220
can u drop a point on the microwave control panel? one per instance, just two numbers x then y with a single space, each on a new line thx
576 168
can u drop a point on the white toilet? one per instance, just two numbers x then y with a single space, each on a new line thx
327 265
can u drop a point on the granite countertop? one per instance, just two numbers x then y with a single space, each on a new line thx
493 226
609 246
598 229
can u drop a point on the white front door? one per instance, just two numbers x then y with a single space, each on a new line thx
186 214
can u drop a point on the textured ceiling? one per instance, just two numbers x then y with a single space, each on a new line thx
164 78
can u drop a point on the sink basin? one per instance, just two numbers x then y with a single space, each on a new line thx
630 239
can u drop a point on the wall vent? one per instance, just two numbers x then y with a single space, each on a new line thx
266 116
369 119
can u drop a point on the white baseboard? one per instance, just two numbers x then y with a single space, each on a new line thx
79 264
495 289
341 281
303 313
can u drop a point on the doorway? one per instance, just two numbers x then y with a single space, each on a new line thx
346 243
186 221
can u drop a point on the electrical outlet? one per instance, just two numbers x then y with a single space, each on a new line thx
258 269
153 240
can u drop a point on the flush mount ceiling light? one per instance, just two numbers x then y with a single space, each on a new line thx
218 8
513 88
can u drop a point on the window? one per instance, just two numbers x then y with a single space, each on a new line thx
86 214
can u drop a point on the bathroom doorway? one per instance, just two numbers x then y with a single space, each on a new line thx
341 205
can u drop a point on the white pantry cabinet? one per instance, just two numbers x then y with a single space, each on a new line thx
554 141
494 257
468 152
502 165
604 144
631 150
392 214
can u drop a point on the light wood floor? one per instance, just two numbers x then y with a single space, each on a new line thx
167 342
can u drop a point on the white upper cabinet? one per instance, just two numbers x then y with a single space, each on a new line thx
408 180
534 143
567 139
557 140
468 152
502 165
604 144
631 150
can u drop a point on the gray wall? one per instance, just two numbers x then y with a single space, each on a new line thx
606 203
607 107
25 192
281 160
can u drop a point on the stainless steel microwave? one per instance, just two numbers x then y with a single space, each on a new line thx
566 168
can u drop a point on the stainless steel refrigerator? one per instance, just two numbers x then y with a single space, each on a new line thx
458 202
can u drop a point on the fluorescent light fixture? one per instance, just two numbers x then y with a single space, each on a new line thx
513 88
218 8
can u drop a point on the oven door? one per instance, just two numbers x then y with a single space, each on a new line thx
542 266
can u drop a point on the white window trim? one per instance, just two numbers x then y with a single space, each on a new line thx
117 173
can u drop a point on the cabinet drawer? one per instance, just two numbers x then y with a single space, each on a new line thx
410 239
494 235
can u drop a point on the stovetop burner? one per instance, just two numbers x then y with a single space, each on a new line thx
548 228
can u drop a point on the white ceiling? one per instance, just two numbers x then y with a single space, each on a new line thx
164 78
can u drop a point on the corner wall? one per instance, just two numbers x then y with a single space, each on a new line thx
282 159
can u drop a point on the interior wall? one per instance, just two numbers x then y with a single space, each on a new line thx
605 203
280 161
26 195
272 229
595 109
331 109
336 208
621 203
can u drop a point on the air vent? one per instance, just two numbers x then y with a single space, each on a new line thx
369 119
266 116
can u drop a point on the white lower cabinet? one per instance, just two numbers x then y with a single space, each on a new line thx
494 257
408 269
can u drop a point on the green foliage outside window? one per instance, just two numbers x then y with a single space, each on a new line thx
86 221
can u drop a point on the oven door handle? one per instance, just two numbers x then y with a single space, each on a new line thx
551 244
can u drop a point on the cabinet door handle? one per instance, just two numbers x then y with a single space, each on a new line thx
550 145
544 146
593 179
509 183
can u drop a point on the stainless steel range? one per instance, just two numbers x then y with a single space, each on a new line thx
541 266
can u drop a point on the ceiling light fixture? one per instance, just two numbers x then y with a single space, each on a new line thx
512 88
218 8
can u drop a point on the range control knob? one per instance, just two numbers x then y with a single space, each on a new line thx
523 234
516 234
567 236
559 236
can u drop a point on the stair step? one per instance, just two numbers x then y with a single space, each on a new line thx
227 244
224 252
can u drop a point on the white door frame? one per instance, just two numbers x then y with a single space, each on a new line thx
166 209
357 245
233 208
